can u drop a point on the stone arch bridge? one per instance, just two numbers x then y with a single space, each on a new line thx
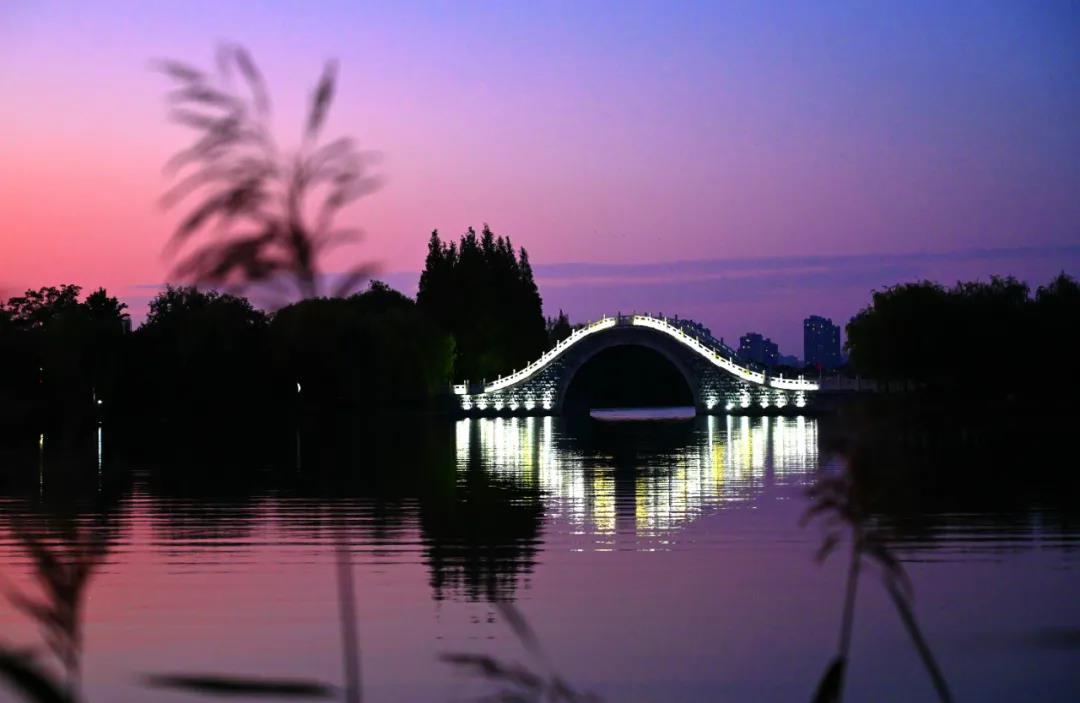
718 382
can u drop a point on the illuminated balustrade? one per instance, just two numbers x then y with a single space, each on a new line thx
513 392
706 351
793 384
551 354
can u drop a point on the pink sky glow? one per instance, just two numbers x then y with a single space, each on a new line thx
608 134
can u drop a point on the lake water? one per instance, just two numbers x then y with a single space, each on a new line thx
654 562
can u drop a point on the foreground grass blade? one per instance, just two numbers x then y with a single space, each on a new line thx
908 618
236 686
828 690
35 684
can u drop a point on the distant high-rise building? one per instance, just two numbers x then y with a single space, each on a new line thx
754 347
821 342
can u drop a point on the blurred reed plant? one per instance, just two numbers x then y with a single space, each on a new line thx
63 565
259 214
519 683
840 501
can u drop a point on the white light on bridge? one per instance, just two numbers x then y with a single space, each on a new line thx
592 327
525 383
708 352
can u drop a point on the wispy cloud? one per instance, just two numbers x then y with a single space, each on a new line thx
906 263
771 295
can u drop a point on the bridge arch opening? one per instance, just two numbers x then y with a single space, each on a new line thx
627 376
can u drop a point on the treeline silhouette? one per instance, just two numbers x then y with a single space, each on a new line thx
210 357
207 356
203 355
57 352
977 338
482 292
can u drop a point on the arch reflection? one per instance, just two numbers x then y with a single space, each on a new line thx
651 494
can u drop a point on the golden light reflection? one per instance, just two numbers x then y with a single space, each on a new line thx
722 460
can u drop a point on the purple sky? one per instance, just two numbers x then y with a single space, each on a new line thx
804 153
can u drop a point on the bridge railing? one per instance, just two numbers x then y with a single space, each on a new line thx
660 324
793 384
548 356
703 349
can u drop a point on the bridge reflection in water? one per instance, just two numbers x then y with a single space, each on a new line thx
602 488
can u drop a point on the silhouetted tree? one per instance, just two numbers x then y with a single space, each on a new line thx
106 309
200 356
35 308
372 351
107 325
483 293
976 337
61 358
558 328
1057 317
